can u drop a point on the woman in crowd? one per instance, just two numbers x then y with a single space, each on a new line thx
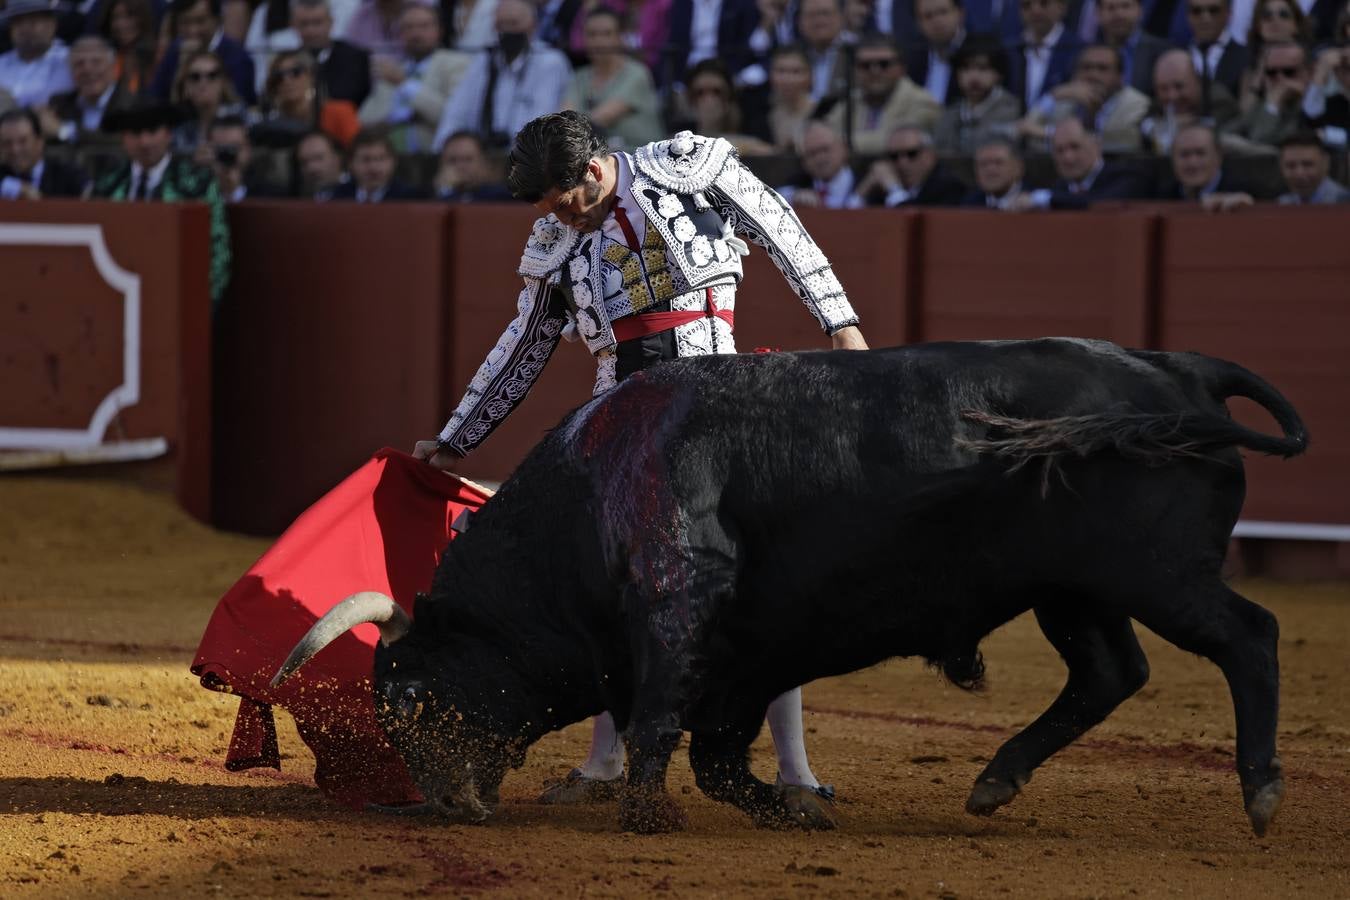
790 104
1273 22
203 93
615 90
293 105
710 107
129 25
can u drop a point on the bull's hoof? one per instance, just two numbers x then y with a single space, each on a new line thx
1263 806
578 788
989 794
650 812
811 809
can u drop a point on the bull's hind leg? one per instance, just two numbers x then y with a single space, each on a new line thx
1241 639
1106 666
720 757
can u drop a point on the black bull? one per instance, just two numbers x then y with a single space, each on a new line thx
716 531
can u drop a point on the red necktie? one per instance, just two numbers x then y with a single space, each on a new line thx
626 227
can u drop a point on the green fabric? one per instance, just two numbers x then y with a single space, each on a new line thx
184 181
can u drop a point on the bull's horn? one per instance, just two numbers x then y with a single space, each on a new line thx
367 606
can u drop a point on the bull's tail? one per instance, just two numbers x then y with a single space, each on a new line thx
1154 438
1226 379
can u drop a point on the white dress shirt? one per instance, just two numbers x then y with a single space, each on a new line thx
1212 55
837 193
34 82
703 30
156 175
624 192
1038 62
529 86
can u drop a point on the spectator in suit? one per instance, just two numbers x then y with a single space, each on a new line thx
152 173
1198 175
1218 57
909 174
201 92
465 175
615 91
1043 58
932 58
371 170
24 173
821 25
37 67
318 166
1097 94
708 29
294 104
1305 165
1084 177
775 30
554 26
343 68
76 116
884 99
195 25
1177 90
1283 79
129 25
507 85
1326 103
985 107
825 159
1122 29
998 175
410 91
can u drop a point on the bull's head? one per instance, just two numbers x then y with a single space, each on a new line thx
456 757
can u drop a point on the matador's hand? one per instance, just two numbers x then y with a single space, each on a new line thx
849 338
433 454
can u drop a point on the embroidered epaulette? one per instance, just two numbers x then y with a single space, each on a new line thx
548 246
686 163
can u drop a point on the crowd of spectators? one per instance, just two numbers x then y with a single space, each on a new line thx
876 102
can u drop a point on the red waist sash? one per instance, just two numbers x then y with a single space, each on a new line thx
632 327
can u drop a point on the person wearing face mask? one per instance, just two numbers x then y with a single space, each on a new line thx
506 85
639 257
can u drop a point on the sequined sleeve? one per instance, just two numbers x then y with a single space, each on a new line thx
510 370
757 211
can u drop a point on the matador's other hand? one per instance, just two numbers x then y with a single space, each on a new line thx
849 338
433 454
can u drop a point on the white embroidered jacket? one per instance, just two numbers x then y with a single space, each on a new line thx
697 196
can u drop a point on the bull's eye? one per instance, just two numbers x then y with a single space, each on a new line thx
410 703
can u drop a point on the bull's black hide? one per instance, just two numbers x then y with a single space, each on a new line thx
715 531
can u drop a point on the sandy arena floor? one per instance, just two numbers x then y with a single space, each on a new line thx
111 783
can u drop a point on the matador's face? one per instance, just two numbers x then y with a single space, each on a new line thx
584 207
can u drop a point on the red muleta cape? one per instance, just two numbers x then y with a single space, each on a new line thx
382 529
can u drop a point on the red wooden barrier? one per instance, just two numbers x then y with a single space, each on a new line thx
104 336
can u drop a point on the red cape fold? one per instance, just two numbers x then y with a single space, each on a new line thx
382 529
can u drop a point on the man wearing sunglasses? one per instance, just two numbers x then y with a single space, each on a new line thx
884 98
639 257
1282 80
1218 57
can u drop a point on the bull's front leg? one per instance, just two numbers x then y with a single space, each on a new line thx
645 806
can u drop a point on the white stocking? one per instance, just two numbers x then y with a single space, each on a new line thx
606 759
785 724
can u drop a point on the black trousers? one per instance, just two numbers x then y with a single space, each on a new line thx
644 352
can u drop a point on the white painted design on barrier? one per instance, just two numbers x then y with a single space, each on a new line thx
128 284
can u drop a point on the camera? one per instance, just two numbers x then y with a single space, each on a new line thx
227 155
